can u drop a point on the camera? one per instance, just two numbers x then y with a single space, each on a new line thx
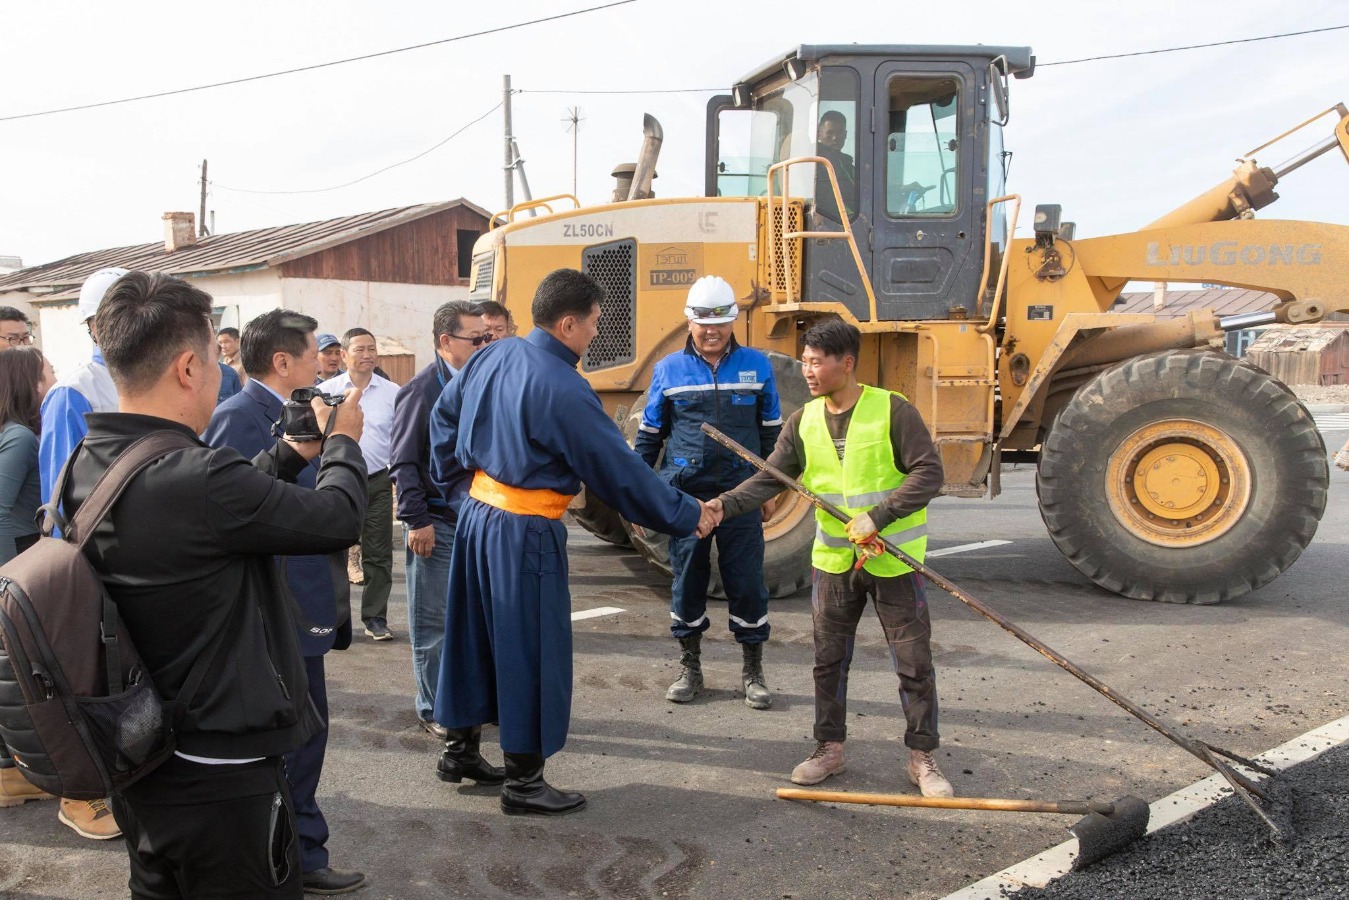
298 422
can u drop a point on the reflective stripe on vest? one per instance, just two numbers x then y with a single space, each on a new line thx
866 476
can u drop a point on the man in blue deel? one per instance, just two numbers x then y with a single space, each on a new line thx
524 420
714 379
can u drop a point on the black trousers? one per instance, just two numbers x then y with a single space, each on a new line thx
195 830
837 603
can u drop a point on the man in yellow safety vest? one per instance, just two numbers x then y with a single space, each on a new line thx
867 451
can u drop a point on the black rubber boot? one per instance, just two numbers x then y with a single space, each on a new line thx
527 794
461 759
751 678
690 681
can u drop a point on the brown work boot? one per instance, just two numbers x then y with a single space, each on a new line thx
91 819
925 775
828 759
355 574
15 789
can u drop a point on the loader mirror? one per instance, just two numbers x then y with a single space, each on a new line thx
997 86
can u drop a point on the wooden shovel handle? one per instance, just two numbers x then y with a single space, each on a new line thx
1075 807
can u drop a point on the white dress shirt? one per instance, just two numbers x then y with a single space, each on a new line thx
377 405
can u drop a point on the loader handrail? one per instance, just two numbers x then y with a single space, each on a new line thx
787 237
1015 200
509 215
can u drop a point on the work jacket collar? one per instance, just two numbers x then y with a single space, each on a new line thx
731 346
540 338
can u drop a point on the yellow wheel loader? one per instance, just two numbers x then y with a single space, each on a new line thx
867 183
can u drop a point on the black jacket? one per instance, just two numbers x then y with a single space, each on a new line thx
194 536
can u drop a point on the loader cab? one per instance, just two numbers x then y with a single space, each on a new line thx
913 135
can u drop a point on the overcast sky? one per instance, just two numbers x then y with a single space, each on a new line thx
1116 142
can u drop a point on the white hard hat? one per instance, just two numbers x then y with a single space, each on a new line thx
95 286
711 302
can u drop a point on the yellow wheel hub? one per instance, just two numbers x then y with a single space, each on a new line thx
790 510
1178 483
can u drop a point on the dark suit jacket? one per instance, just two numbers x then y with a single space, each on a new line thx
318 583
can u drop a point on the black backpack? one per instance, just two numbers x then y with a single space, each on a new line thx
78 711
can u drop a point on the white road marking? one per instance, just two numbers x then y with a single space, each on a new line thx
965 548
1332 421
595 613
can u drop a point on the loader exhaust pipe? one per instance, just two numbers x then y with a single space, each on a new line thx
653 136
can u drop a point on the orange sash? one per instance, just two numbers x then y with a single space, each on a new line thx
521 501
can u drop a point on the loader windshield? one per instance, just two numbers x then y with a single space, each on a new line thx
780 124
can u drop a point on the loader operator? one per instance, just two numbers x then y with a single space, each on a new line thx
867 451
832 135
713 379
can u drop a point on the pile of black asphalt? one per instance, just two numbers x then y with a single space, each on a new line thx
1226 851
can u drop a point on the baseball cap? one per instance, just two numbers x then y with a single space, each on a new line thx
93 289
711 302
327 339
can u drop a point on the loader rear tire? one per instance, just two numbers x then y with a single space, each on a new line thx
788 535
600 519
1184 476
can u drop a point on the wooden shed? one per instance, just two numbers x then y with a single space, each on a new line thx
1309 354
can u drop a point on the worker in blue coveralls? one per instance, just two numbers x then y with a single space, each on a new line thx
532 430
713 379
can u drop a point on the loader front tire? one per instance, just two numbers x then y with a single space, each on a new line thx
1184 476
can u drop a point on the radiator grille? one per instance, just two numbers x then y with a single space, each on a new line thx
614 266
483 264
777 268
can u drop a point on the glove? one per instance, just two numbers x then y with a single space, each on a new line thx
861 529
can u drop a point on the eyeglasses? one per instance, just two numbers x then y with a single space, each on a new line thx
16 340
712 312
476 341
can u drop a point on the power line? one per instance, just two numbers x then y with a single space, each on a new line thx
324 65
1062 62
665 91
372 174
1267 37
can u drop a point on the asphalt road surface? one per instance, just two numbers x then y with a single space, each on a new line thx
681 797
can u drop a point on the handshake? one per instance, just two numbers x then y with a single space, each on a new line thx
712 514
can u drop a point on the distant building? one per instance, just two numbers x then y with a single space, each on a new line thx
386 271
1305 354
10 264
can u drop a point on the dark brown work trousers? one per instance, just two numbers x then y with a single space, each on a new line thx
837 603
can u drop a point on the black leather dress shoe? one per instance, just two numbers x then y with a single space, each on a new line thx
332 881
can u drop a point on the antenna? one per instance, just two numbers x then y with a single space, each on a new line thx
573 120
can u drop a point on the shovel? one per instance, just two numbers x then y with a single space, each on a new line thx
1105 829
1242 786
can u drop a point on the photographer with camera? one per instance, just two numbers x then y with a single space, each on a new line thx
186 553
280 355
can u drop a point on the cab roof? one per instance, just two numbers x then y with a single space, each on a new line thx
1020 61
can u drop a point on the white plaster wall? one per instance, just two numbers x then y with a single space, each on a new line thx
19 300
242 295
63 337
399 311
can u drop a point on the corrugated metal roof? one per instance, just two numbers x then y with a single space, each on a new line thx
1223 301
1296 338
224 252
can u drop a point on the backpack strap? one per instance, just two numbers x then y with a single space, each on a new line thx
130 462
115 478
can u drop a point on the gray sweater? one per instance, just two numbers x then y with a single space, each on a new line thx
20 491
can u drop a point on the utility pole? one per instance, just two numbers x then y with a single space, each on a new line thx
201 216
510 148
574 120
